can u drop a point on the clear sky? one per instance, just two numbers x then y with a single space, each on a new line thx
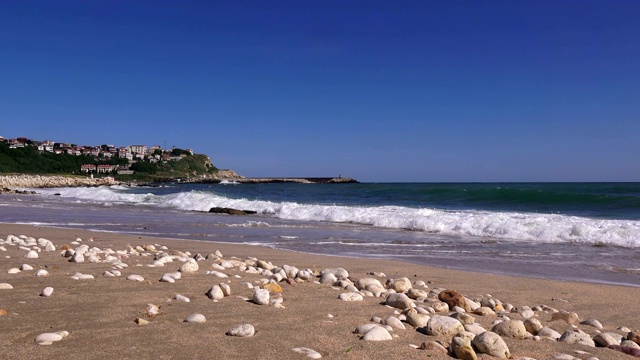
375 90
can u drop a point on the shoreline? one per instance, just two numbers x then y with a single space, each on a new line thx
99 313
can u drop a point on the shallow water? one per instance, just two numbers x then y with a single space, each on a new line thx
556 260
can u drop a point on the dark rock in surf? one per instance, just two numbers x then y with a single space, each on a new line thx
229 211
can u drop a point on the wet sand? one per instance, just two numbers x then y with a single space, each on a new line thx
99 313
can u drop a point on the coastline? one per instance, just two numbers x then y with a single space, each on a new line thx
99 313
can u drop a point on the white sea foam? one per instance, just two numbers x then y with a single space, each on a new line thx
511 226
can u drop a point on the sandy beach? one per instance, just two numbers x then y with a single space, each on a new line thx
100 313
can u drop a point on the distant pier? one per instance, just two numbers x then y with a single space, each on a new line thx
310 180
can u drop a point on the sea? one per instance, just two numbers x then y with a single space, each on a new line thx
586 232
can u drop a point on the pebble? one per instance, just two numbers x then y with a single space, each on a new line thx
575 337
308 352
134 277
570 318
189 266
26 267
350 296
394 322
461 348
195 318
32 254
47 291
400 301
41 272
443 325
5 286
243 330
592 322
78 257
514 329
215 293
50 338
152 310
492 344
377 333
260 296
181 298
81 276
167 278
13 271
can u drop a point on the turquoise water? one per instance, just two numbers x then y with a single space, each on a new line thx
573 231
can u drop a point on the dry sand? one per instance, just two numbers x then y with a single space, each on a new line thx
99 314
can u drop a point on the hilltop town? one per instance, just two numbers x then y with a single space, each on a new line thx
127 163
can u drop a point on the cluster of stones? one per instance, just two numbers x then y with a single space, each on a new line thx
445 315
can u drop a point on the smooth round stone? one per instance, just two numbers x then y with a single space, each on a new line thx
26 267
78 257
514 329
216 293
189 266
134 277
182 298
549 333
5 286
32 254
350 296
492 344
41 272
310 353
574 337
167 278
443 325
195 318
399 301
47 291
48 338
362 329
218 274
592 322
377 333
261 296
243 330
394 322
13 271
226 289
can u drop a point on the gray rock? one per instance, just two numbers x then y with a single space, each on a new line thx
399 301
350 296
443 325
492 344
606 339
514 329
549 333
592 322
394 322
575 337
243 330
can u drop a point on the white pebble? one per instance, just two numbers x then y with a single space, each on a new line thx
26 267
134 277
195 318
182 298
244 330
47 291
41 272
32 254
13 271
5 286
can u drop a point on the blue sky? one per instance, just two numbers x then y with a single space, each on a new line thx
375 90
